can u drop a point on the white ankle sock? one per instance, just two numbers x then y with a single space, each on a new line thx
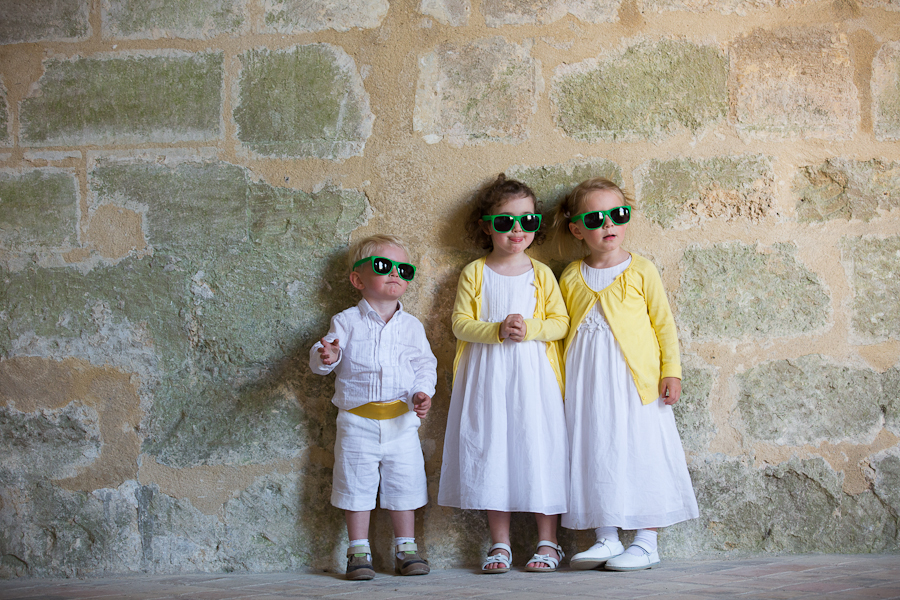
609 533
648 536
403 540
362 542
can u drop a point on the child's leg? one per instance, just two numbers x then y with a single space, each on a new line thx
498 523
408 561
546 526
404 522
359 557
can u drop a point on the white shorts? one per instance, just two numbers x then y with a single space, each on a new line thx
372 454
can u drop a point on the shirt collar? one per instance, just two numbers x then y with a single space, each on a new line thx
366 309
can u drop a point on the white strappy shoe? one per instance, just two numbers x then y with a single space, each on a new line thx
499 558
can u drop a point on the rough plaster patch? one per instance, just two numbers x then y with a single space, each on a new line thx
116 232
40 20
498 13
684 193
449 12
649 91
483 91
306 101
793 83
846 189
191 19
292 16
725 7
734 291
871 265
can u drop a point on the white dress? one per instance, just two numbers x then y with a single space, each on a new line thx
505 447
628 465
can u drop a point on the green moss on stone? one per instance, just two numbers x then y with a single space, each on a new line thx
651 91
735 291
134 98
38 20
871 265
693 411
551 183
38 207
181 18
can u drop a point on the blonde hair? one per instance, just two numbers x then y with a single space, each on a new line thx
573 204
368 246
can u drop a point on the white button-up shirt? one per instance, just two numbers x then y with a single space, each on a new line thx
379 362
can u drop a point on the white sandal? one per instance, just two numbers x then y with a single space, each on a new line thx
545 558
498 558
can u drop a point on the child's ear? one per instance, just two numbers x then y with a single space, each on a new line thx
486 228
575 231
356 281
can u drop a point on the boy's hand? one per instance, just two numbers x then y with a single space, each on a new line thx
421 404
670 390
330 351
513 327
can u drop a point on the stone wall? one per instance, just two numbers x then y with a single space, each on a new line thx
180 180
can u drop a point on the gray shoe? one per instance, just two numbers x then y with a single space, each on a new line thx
359 563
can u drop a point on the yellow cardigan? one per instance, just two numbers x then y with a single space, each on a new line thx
639 317
549 323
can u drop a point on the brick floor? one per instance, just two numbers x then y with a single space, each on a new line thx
837 577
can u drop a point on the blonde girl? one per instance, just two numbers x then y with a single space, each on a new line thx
623 374
505 446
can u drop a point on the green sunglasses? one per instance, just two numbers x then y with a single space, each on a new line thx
384 266
505 223
595 219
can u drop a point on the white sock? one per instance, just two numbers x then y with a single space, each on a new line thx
403 540
648 536
362 542
609 533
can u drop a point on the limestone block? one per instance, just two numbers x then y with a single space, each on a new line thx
693 412
305 101
483 91
846 189
38 208
551 183
292 16
725 7
649 91
886 483
891 400
498 13
886 92
809 400
735 292
449 12
134 98
682 193
44 20
883 4
190 19
793 83
871 265
5 136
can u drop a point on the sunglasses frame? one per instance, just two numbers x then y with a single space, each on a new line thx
393 264
607 214
515 220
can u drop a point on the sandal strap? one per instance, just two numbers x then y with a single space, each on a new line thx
502 559
359 549
501 546
408 547
643 546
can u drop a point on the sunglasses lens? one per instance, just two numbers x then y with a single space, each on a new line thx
620 215
530 223
406 271
593 220
503 223
382 266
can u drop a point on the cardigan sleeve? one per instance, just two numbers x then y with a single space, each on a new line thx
663 323
466 326
551 322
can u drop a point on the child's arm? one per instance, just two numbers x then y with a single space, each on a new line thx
555 324
670 390
424 365
663 323
326 354
466 325
421 404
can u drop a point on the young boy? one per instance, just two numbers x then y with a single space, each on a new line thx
386 375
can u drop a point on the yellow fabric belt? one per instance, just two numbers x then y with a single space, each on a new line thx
381 410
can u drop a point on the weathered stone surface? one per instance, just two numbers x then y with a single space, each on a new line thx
5 135
682 193
793 83
886 92
302 101
693 412
448 12
551 183
290 16
735 292
809 400
846 189
40 20
725 7
885 4
886 484
891 402
498 13
484 91
871 265
650 91
192 19
125 99
38 208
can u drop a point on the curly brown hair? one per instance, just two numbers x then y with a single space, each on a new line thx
488 198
